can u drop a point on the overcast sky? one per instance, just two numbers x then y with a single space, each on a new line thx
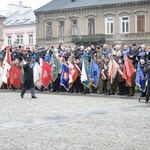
34 4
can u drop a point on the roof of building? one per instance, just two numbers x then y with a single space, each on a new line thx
1 16
23 16
65 4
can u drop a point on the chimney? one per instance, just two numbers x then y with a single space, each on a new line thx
20 4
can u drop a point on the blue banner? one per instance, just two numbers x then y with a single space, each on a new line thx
64 79
95 71
140 77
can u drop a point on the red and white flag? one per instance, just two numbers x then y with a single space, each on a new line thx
46 76
37 70
6 74
78 69
7 65
7 57
72 74
128 70
113 68
15 76
103 75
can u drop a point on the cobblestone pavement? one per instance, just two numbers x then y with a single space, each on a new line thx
73 122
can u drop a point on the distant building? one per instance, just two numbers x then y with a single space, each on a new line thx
20 26
2 18
93 21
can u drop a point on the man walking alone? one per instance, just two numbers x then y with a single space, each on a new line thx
28 79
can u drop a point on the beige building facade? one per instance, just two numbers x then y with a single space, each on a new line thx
111 23
2 18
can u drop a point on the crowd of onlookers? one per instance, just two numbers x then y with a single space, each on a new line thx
100 53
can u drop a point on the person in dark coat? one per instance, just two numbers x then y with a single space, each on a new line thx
121 80
133 53
78 85
92 51
77 52
147 70
28 79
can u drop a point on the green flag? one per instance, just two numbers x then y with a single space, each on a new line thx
55 67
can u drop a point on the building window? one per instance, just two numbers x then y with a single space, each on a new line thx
140 23
30 39
125 24
91 26
9 41
61 28
48 29
20 39
109 26
74 27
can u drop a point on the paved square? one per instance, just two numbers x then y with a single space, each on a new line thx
73 122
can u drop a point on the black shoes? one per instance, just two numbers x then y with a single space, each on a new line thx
146 101
34 97
31 97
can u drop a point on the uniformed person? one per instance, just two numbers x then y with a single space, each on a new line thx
101 78
28 79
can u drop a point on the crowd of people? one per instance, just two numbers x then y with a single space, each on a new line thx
101 54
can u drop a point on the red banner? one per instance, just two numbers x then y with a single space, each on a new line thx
46 76
72 74
128 70
15 76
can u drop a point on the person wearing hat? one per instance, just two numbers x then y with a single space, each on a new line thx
133 53
99 51
28 79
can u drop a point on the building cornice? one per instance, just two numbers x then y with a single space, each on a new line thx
95 7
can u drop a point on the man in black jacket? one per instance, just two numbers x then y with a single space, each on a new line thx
147 70
133 53
28 79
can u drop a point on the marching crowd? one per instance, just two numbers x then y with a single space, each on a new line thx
101 54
